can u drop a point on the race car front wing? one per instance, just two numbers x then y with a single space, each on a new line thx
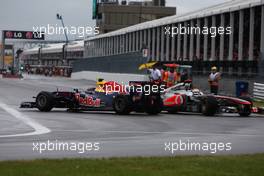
28 105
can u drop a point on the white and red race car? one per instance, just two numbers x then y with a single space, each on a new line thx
183 98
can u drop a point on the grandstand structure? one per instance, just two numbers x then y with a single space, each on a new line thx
58 54
238 51
28 44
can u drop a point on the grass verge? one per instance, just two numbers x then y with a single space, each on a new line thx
242 165
259 103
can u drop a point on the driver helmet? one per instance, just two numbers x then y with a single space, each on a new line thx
100 82
196 91
187 86
214 68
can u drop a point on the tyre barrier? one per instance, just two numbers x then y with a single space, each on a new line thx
12 76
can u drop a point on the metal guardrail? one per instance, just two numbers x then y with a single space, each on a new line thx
258 91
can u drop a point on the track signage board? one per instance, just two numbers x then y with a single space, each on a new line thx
26 35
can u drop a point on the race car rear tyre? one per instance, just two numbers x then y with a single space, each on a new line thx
45 101
209 106
154 106
122 105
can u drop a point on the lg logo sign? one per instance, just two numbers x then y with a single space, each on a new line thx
29 35
17 35
10 34
23 35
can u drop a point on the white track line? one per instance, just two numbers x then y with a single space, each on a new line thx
38 128
165 133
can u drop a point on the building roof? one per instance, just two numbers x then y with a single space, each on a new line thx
53 48
229 6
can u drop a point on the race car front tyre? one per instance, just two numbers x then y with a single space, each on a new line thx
44 101
244 110
122 105
209 106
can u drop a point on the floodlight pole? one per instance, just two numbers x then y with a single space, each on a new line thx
59 17
3 49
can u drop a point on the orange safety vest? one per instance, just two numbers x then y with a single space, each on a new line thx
165 76
171 78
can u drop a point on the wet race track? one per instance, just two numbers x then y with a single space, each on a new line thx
30 134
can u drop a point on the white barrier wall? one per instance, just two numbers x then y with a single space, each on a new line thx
258 91
118 77
227 85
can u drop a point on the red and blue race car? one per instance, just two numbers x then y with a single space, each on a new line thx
107 96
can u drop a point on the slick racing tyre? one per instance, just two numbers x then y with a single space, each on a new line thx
209 106
153 105
244 110
122 105
44 101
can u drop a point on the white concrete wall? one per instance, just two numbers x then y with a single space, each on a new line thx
227 85
118 77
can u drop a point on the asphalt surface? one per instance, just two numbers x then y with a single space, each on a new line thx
23 131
